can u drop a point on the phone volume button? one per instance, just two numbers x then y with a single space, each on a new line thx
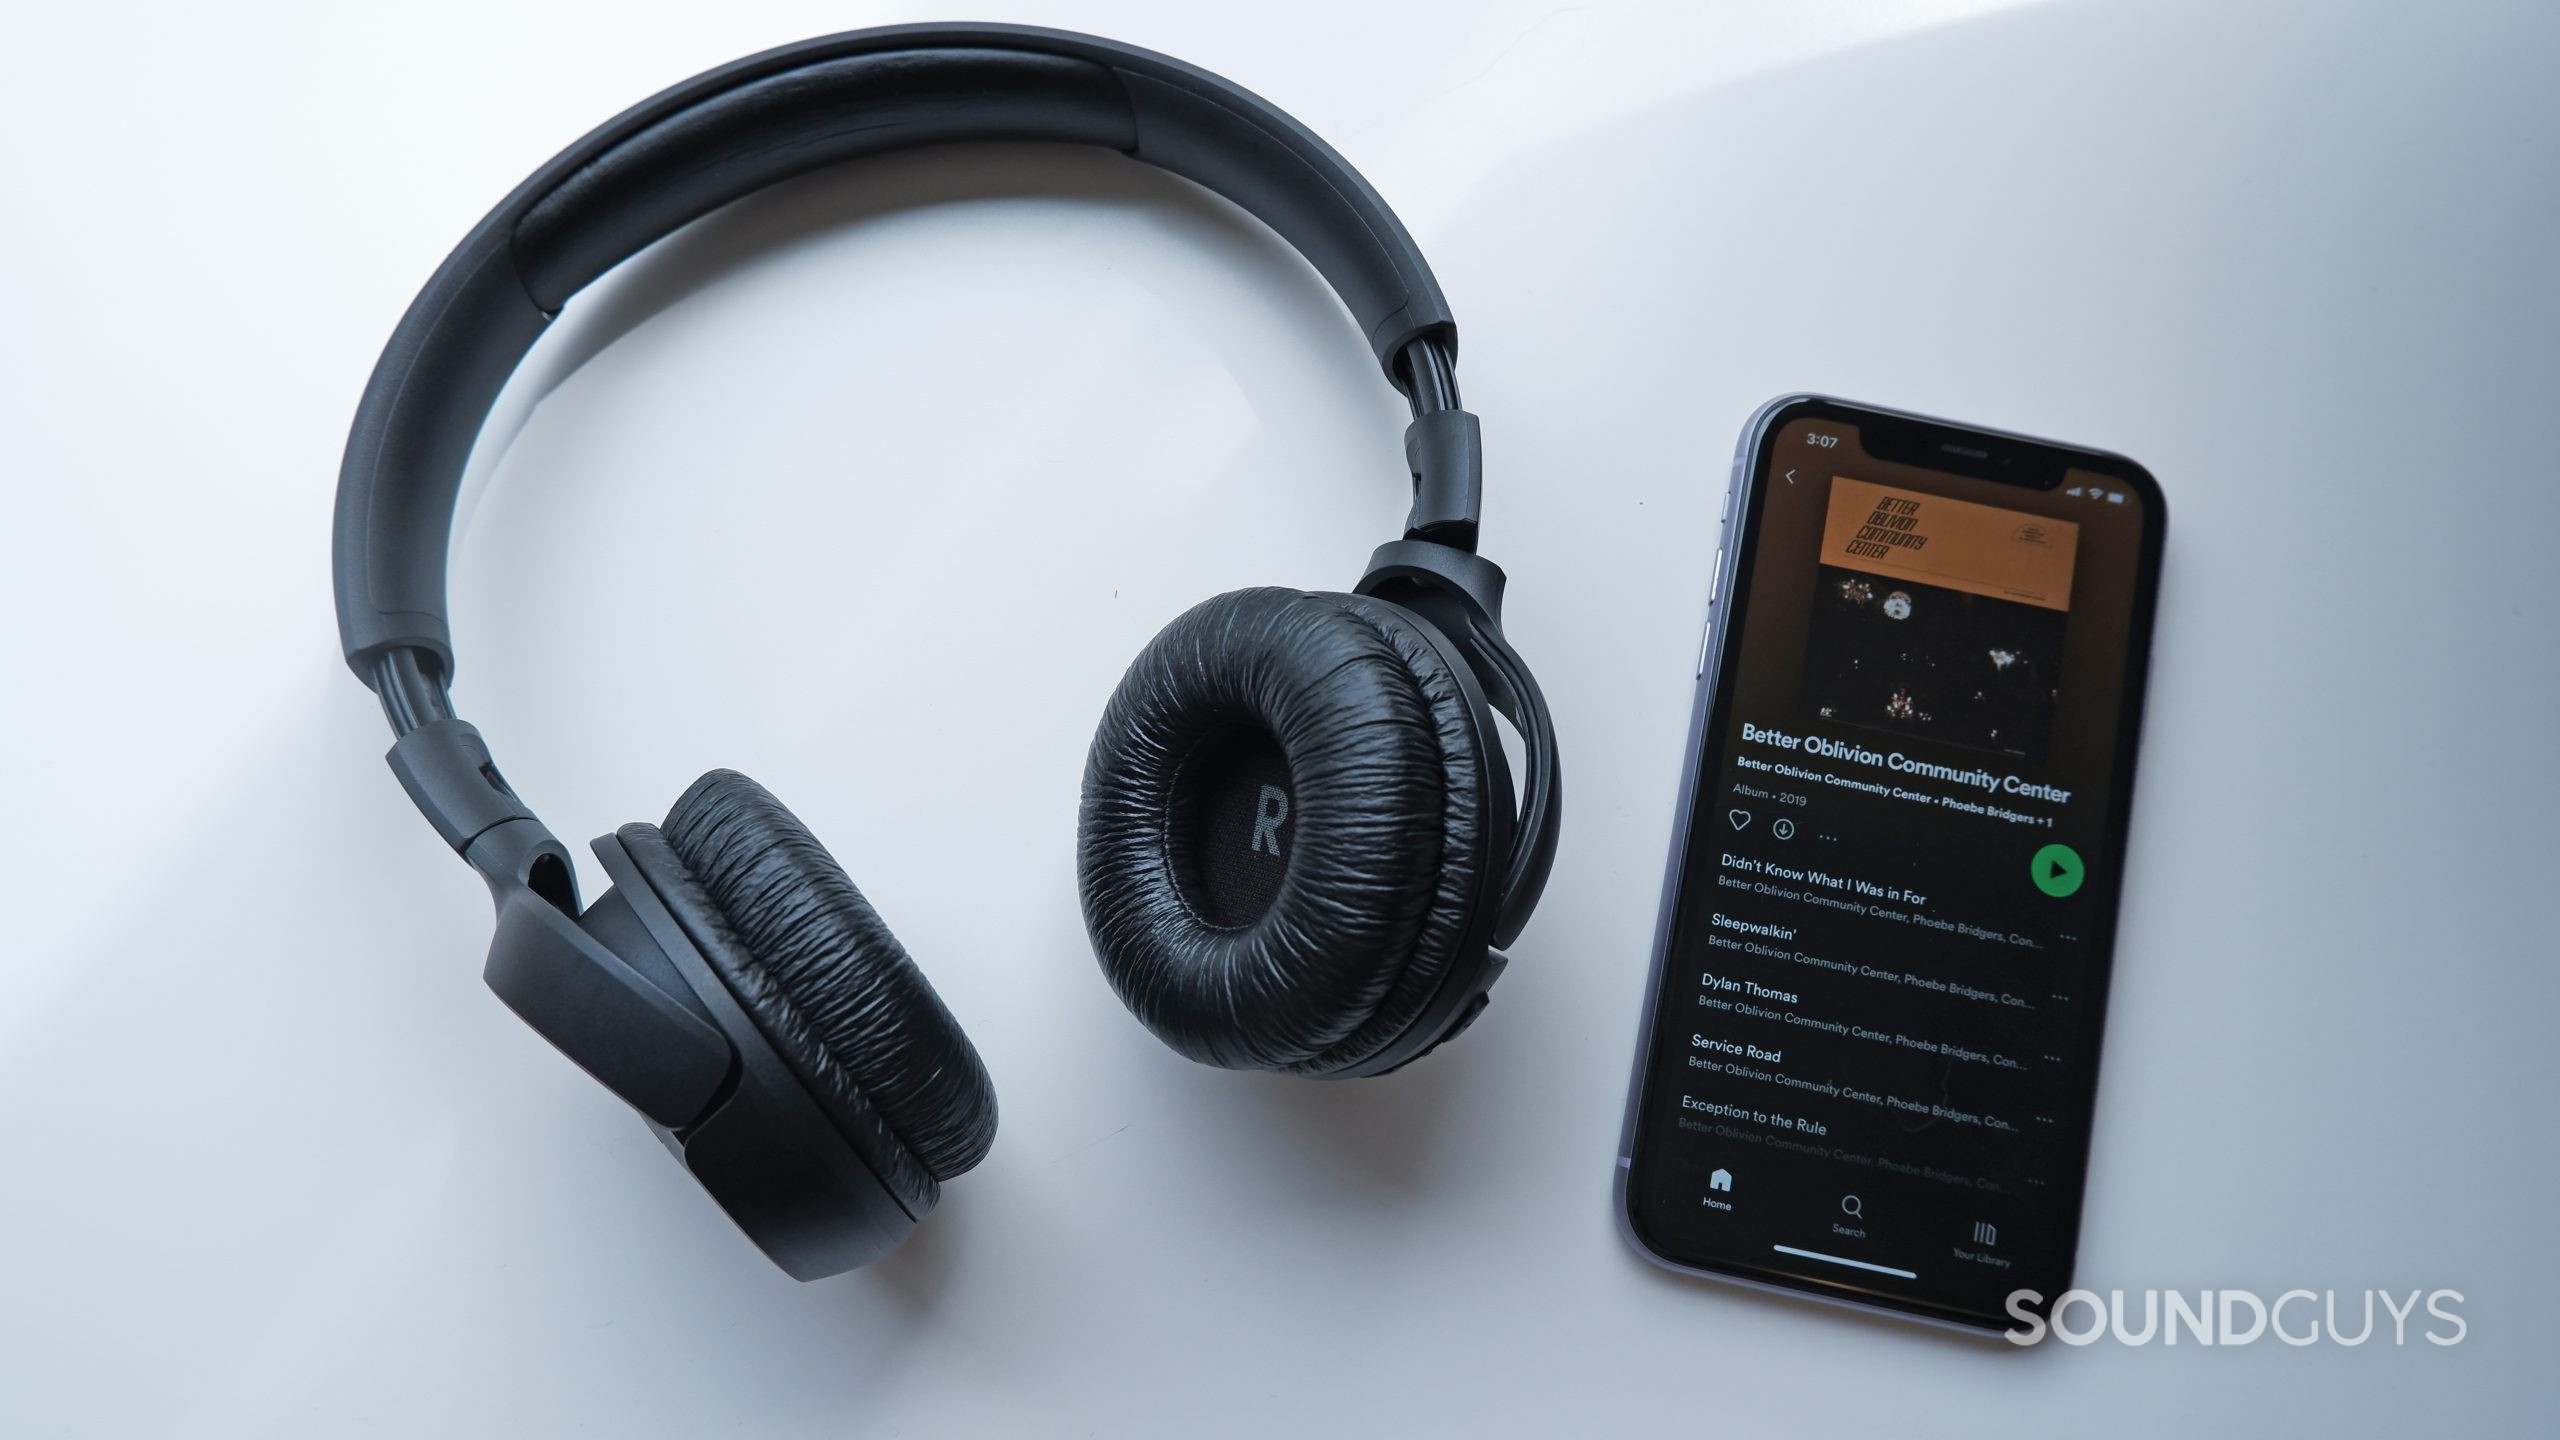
1715 569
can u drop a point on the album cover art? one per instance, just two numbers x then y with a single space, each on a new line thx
1939 618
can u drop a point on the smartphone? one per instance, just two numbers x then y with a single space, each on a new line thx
1870 1045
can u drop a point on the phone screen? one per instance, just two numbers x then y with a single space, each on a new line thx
1873 1037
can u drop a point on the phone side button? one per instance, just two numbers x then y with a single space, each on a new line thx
1715 567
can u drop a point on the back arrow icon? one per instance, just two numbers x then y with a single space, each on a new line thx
1791 477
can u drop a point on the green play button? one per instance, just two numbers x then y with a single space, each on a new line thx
2057 870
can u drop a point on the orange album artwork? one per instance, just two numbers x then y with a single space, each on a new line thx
1954 544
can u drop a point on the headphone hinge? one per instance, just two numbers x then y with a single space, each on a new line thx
1461 593
445 767
1426 576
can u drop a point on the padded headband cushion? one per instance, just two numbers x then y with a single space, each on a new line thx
1380 834
827 982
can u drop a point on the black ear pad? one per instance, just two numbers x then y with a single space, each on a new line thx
1285 837
823 978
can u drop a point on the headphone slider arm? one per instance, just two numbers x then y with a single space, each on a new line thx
1445 451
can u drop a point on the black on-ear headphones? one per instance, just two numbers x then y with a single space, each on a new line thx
1300 849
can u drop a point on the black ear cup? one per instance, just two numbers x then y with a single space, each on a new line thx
822 977
1287 829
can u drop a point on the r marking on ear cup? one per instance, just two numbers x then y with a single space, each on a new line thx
1384 788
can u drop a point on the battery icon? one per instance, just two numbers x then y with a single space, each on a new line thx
2115 497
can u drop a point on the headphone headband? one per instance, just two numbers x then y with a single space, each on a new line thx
732 984
737 129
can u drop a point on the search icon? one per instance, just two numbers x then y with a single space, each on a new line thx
1853 1207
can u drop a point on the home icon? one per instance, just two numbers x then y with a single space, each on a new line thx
1721 1180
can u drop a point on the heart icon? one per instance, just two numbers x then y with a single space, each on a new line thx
1739 818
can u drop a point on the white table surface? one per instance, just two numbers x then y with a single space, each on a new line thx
885 476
